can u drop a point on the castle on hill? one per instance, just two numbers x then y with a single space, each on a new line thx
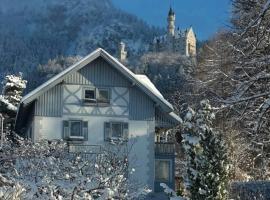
182 41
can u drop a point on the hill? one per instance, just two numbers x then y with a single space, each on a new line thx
34 31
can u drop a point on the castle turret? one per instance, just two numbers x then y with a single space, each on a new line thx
122 52
171 22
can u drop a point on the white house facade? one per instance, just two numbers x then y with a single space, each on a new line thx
96 100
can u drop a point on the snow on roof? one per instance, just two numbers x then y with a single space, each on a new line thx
141 81
147 83
176 117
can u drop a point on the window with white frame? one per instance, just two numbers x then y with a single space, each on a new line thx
75 130
96 95
89 95
115 130
162 170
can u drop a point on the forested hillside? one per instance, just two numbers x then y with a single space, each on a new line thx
34 31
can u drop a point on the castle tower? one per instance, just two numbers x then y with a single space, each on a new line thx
171 22
122 52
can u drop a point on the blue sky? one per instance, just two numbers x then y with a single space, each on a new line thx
205 16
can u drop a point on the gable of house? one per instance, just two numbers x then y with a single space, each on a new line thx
98 69
99 74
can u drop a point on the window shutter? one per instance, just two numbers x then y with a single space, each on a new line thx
65 130
125 131
85 130
107 131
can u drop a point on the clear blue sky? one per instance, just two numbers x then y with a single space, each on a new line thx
205 16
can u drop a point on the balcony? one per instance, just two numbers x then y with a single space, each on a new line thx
162 148
84 149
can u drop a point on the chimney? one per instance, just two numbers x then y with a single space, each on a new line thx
122 52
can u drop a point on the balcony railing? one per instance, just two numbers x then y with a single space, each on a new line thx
84 149
162 148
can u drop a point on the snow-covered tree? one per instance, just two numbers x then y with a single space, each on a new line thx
235 73
13 86
47 170
207 157
56 65
170 72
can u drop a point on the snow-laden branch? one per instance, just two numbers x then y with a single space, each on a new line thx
258 20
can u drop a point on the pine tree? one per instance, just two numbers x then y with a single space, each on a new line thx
208 163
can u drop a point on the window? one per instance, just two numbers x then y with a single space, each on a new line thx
75 130
96 95
188 47
104 96
162 170
90 95
115 130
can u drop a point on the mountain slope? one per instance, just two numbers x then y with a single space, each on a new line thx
34 31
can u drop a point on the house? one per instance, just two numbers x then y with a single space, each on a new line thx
96 100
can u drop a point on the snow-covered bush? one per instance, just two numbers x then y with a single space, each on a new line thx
46 170
207 158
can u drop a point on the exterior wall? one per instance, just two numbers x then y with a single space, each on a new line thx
128 104
50 103
142 156
141 135
190 44
176 44
141 107
98 73
47 128
73 102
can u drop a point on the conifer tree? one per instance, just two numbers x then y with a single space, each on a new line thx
208 163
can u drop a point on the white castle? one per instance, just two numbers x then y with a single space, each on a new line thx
182 41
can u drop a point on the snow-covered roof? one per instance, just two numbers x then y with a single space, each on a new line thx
141 81
146 81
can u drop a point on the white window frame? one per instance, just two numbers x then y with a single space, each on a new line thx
90 100
96 100
124 135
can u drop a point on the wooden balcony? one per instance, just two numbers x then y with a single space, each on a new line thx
164 148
